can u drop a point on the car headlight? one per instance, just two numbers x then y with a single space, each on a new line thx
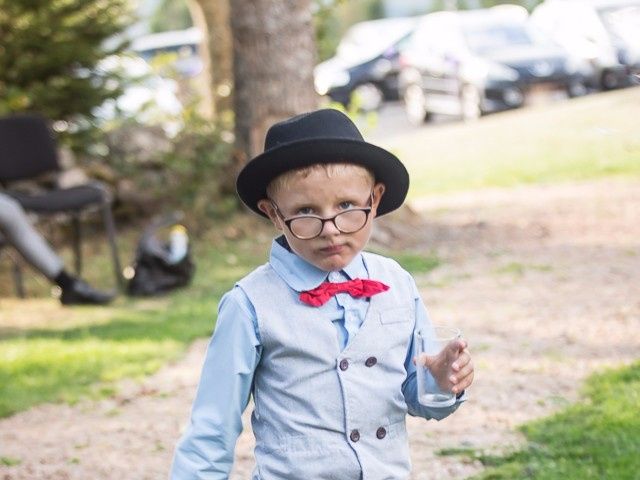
326 81
381 68
495 71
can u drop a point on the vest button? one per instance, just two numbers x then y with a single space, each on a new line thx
344 364
371 361
354 436
381 433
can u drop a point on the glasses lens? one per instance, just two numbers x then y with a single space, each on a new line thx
351 221
305 227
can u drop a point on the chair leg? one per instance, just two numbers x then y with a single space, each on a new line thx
111 234
18 281
16 273
77 243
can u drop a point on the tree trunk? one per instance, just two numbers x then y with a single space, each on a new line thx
212 17
273 59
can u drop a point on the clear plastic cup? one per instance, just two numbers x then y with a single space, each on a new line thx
432 341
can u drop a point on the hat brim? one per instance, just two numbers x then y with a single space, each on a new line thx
387 168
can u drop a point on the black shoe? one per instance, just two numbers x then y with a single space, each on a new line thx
81 293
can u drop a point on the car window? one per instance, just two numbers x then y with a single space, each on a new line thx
621 21
586 23
418 44
546 19
485 38
435 38
368 39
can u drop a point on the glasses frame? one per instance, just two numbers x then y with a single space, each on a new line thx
287 221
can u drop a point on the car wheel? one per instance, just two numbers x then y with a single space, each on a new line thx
368 97
576 89
415 105
609 81
470 103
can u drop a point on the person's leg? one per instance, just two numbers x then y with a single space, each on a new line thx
19 233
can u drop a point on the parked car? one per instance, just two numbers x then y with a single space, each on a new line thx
366 62
183 43
606 33
468 63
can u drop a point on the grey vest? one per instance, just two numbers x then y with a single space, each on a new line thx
321 413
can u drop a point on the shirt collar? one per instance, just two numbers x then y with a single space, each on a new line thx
299 274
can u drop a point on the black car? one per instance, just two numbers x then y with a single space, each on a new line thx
469 63
366 63
605 33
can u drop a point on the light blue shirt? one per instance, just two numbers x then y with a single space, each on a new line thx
234 352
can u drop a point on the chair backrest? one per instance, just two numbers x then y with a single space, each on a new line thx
27 147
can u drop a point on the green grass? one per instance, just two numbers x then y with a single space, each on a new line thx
10 462
597 438
584 138
414 262
417 263
69 353
518 269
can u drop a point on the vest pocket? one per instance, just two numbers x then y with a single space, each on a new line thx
314 442
396 429
396 315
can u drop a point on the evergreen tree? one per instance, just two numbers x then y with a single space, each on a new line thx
49 50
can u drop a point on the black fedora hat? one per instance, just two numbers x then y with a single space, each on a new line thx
321 136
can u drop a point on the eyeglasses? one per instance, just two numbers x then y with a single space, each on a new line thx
306 227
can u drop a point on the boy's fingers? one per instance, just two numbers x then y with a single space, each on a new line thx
462 374
463 384
457 345
461 361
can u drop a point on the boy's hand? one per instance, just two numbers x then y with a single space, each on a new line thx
452 367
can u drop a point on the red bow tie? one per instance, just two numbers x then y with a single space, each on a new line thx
357 288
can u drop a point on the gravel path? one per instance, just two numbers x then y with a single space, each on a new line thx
542 280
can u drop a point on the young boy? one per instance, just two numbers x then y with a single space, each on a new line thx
321 335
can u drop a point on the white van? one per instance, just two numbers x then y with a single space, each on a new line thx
606 33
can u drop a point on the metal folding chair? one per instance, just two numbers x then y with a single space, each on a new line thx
28 150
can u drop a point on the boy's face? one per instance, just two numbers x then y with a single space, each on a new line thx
318 195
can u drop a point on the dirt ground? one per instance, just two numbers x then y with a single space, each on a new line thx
543 281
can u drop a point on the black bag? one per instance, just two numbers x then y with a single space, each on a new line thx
153 273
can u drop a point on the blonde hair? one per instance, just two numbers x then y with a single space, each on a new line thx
283 182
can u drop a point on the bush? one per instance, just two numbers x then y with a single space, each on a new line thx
200 170
152 172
